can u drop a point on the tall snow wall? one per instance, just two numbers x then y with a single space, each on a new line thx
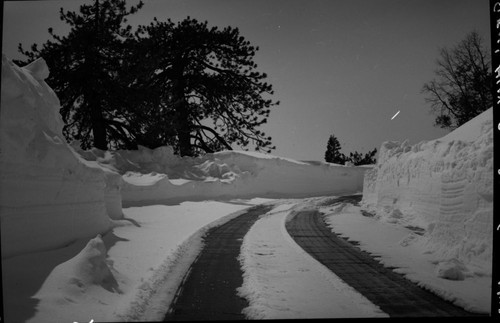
49 196
236 174
159 176
444 186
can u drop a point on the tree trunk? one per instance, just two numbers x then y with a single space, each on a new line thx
184 130
97 118
98 127
181 108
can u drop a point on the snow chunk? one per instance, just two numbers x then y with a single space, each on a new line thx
452 269
76 275
38 69
71 290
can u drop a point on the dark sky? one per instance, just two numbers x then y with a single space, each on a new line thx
341 67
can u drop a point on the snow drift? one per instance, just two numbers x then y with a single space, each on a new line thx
444 186
159 176
49 196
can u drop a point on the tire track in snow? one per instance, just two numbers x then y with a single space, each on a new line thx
208 291
394 294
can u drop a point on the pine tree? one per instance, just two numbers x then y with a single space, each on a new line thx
358 159
87 73
369 158
333 154
208 85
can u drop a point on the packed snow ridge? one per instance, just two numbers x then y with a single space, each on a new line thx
443 187
160 176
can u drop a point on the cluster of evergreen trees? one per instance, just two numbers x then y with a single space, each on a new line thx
333 154
183 84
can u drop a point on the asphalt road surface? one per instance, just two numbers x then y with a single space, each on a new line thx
209 290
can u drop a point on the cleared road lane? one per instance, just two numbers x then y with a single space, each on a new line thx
209 289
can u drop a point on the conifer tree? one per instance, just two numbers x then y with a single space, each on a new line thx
87 73
358 159
333 154
208 85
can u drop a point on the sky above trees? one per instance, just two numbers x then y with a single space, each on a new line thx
339 67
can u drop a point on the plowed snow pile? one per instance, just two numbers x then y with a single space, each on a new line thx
49 196
158 176
444 188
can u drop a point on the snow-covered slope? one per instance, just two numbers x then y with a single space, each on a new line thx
49 196
444 186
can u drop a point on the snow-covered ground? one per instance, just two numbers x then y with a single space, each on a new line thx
71 252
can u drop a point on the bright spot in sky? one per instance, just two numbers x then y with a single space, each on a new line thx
394 116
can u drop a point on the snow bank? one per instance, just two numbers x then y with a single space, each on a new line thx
152 176
159 176
444 186
49 196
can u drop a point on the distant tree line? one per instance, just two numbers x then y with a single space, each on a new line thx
183 84
333 154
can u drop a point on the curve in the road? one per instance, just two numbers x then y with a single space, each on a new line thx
395 295
209 289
